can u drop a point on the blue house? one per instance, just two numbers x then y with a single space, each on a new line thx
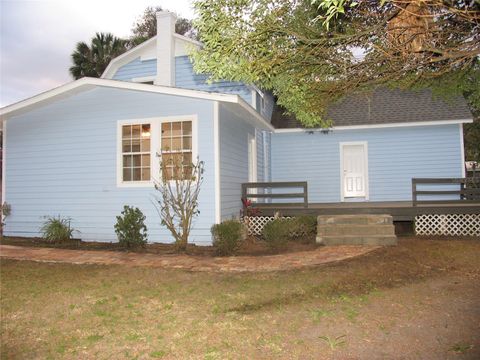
85 149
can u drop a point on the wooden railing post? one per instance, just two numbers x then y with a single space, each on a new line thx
244 195
305 195
414 192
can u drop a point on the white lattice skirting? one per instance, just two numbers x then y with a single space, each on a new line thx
448 224
255 224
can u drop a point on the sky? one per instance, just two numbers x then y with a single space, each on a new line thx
38 36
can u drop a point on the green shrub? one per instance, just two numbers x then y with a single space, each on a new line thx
57 229
227 237
303 228
277 233
130 228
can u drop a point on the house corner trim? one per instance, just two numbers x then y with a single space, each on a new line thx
216 144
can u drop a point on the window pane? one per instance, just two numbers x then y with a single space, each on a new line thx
145 160
126 146
177 160
187 158
135 131
137 174
145 145
187 128
135 145
136 160
166 144
187 172
187 143
126 131
127 174
167 160
145 130
176 128
168 173
177 144
127 160
146 174
166 129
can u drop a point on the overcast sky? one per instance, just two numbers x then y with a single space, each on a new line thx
38 36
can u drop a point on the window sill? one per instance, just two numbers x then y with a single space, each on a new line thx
135 184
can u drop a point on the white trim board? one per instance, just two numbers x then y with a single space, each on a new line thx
377 126
155 145
87 83
216 144
462 150
4 161
126 57
365 164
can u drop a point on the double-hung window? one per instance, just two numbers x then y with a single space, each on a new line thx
136 152
154 148
176 149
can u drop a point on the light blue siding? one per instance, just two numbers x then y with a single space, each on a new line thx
395 156
185 77
136 68
234 132
61 160
269 103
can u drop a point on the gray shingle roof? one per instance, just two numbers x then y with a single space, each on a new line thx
385 106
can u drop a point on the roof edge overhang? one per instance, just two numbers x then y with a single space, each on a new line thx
87 83
377 126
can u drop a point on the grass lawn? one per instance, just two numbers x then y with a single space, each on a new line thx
420 299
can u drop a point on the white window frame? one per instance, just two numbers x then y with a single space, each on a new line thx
365 164
155 146
193 119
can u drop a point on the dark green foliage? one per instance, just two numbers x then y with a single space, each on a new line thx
277 233
303 228
92 60
130 228
311 54
227 237
57 229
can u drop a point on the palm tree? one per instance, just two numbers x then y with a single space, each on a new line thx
92 60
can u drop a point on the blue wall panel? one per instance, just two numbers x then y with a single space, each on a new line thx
135 69
61 160
185 77
395 156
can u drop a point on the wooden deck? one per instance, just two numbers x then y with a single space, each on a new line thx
400 210
463 198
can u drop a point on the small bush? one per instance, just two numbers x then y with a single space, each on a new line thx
227 237
277 233
303 228
130 228
57 229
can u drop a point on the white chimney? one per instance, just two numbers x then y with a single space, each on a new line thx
165 48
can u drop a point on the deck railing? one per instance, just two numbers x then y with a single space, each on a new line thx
267 194
468 191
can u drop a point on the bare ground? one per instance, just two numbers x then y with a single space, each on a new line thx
418 300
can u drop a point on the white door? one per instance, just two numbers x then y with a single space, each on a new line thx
252 158
354 170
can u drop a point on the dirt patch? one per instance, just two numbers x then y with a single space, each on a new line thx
251 247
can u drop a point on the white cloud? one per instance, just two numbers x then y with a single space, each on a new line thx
37 37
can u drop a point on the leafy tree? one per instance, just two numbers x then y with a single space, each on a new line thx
91 60
310 55
146 26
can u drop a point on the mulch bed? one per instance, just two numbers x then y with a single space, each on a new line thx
251 247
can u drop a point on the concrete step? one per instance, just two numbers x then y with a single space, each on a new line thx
360 219
357 240
358 230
